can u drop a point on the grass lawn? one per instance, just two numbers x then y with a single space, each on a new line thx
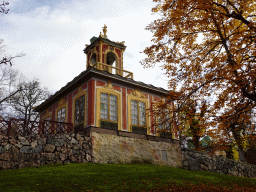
119 177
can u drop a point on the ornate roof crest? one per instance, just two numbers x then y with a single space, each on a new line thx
137 93
109 85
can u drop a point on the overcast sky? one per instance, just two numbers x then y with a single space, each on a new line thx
53 36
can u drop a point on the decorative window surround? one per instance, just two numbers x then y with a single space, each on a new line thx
108 89
140 97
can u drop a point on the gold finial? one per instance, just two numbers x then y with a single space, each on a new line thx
105 31
101 35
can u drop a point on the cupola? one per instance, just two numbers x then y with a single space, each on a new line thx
106 55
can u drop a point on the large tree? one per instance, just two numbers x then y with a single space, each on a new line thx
8 77
208 50
27 99
30 96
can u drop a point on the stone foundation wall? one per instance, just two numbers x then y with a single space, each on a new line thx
115 149
30 151
201 161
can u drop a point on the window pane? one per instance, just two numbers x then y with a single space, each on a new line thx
134 112
113 108
104 106
79 110
61 115
142 114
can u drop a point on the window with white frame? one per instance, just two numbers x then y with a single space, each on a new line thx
138 113
108 107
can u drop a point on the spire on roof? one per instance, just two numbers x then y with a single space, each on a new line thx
105 31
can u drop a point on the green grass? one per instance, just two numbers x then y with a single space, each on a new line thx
118 177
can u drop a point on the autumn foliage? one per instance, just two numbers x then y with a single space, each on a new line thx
208 51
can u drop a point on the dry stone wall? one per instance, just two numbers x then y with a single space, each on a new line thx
201 161
115 149
30 151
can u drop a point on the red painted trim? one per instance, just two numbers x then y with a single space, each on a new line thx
118 52
84 86
103 58
70 108
104 47
91 92
53 112
75 92
151 113
156 99
100 83
129 91
124 108
117 88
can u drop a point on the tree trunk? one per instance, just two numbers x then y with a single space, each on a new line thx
196 142
241 154
240 145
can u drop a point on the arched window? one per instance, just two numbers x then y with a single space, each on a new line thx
93 59
111 60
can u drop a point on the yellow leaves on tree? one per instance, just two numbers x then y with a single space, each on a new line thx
208 48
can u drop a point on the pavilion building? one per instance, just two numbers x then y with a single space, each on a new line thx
105 95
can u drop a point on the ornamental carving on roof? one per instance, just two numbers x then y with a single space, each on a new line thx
109 86
137 93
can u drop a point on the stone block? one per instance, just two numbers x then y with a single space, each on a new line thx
63 157
33 144
26 149
6 156
59 142
48 156
13 141
42 141
49 148
38 149
7 146
73 141
204 168
78 137
50 140
21 138
2 149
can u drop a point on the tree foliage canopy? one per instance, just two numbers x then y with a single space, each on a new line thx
208 49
